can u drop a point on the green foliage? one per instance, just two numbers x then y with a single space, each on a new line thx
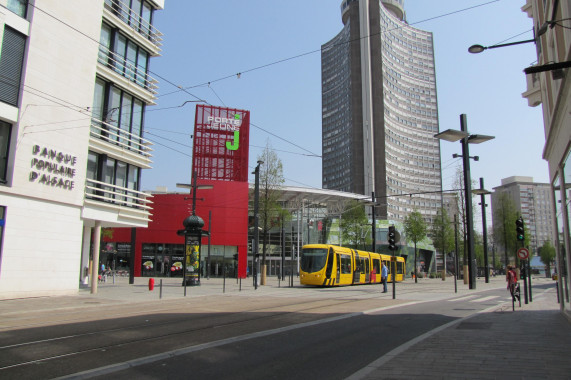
271 180
547 253
505 215
442 232
355 226
415 227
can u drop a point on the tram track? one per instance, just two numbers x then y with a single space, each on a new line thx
231 320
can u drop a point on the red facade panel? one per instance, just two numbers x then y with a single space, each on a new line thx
228 204
221 143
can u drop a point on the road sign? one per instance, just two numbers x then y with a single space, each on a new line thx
523 253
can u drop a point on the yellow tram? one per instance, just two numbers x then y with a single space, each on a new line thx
330 265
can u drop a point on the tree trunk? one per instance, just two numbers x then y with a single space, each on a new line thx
415 271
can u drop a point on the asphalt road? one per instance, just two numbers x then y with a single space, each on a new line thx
332 336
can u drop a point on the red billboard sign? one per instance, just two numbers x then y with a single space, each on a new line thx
221 143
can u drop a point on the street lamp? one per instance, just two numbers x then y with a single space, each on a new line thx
475 49
465 139
255 248
554 66
483 192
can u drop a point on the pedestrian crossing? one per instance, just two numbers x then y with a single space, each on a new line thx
478 299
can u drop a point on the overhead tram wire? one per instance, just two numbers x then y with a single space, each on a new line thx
180 88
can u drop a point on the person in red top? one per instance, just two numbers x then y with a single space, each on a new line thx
511 278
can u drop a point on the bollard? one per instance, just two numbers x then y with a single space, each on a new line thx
151 284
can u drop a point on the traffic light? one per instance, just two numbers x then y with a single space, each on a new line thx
392 238
519 229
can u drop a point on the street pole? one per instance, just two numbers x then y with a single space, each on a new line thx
529 277
373 227
256 258
455 253
210 234
468 196
485 232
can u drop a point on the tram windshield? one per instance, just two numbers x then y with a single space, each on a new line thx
313 259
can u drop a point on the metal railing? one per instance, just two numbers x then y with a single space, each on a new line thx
117 195
135 22
124 139
127 69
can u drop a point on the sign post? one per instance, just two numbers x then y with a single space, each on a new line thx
523 255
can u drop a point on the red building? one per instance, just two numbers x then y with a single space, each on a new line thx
220 159
159 251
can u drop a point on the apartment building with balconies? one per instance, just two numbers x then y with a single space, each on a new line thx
74 87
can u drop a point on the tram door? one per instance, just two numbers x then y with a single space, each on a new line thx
329 267
338 268
367 271
357 271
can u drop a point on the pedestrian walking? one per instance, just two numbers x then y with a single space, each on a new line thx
384 275
511 278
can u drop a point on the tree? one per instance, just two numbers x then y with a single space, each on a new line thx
442 233
271 179
415 230
505 215
353 223
547 255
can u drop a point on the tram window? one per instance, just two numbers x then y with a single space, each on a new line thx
399 268
377 265
345 264
313 259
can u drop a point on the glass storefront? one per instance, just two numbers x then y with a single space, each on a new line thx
165 260
162 260
116 256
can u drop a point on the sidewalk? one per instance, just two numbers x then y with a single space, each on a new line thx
119 292
532 342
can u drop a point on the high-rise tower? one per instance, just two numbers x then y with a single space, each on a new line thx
379 110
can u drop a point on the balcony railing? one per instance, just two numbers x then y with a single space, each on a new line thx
127 69
117 136
118 196
121 9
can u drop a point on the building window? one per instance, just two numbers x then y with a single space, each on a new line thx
117 115
19 7
2 223
122 179
136 13
123 55
11 61
5 131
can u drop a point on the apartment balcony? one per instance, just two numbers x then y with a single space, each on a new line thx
117 69
118 143
533 93
115 205
118 13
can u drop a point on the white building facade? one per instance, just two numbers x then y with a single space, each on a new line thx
73 93
550 86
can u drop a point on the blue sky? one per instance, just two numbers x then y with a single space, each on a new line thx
211 41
